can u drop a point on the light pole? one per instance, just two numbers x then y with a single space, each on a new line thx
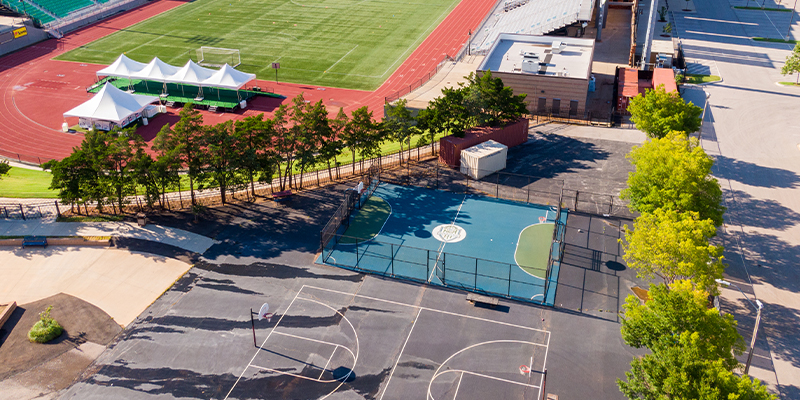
758 306
703 117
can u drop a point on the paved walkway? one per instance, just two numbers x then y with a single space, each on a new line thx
175 237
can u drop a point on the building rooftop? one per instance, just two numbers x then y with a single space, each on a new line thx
540 55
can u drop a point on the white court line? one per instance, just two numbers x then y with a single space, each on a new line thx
494 378
391 210
386 387
345 55
544 368
460 377
441 247
308 338
327 363
430 309
263 343
294 375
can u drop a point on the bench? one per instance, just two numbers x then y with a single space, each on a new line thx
477 298
282 196
34 241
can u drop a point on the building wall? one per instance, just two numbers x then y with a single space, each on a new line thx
564 88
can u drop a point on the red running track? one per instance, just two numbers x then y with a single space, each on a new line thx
37 90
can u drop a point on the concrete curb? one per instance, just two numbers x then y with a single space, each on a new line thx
7 312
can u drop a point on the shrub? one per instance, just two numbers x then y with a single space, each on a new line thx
45 329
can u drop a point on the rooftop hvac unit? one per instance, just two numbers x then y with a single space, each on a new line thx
529 54
531 66
557 47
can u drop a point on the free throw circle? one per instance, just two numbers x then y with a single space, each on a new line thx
449 233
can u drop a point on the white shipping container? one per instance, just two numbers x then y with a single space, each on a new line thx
483 159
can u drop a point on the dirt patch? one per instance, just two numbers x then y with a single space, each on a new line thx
82 322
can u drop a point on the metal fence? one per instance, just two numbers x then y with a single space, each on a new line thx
30 210
417 83
436 268
567 116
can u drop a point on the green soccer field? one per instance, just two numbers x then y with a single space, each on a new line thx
337 43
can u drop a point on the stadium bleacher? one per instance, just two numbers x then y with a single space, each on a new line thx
62 8
46 11
532 17
28 9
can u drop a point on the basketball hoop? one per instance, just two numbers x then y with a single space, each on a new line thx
524 369
542 219
264 313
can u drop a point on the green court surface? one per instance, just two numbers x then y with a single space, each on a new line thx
339 43
533 248
368 222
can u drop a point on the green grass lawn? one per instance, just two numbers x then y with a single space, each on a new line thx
693 78
340 43
763 9
790 83
771 40
26 183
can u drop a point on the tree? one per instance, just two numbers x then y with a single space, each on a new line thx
674 246
124 147
792 65
220 146
68 176
283 142
658 112
400 124
680 372
674 173
356 130
491 102
4 168
332 145
676 310
369 134
312 126
448 113
257 158
182 144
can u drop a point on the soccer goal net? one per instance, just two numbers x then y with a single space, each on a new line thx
217 56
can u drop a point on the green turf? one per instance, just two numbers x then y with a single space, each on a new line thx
368 221
338 43
763 9
26 183
533 249
695 78
790 83
771 40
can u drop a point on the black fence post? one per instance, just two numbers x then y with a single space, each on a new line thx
58 211
392 250
475 286
22 211
509 280
5 210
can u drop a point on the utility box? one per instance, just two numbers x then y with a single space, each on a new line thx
483 159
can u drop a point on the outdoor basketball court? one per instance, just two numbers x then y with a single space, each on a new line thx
328 342
471 242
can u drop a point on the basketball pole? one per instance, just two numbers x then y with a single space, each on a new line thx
544 384
253 324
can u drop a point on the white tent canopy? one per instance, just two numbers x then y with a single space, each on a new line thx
123 67
156 70
191 74
229 78
111 104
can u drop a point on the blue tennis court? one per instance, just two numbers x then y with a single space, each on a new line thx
468 241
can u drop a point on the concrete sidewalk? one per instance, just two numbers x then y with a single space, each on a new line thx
172 236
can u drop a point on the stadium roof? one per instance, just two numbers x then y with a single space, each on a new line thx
111 104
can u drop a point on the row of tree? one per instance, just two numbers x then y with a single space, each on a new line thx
109 167
693 347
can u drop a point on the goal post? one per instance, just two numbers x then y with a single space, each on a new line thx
218 56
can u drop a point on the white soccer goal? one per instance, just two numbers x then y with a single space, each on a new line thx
217 57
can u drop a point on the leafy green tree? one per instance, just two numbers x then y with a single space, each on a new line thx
674 173
400 124
284 143
357 130
673 311
369 133
219 143
679 371
674 246
313 127
182 144
257 158
68 176
124 147
491 102
333 145
4 168
448 113
657 113
792 65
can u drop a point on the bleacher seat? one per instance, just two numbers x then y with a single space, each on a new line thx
62 8
35 13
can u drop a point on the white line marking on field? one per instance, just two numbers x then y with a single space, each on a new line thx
544 368
327 363
455 395
429 309
400 355
339 60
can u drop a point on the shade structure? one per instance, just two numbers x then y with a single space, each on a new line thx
483 159
112 105
155 70
229 78
123 67
191 74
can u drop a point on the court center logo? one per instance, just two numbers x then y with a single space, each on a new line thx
449 233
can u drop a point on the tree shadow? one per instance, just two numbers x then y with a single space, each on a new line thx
767 213
754 175
551 155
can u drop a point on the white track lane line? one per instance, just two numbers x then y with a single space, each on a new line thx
386 387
